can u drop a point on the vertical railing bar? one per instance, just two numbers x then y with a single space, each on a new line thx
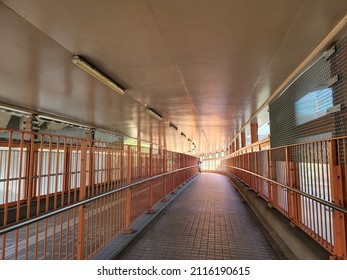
19 193
111 217
40 155
37 228
49 172
311 189
61 236
74 235
319 193
93 168
30 190
68 171
109 168
82 196
5 218
105 220
77 169
67 234
56 173
320 206
150 187
329 183
66 163
128 208
305 187
89 228
313 203
324 163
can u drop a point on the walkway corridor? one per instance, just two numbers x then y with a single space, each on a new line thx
208 220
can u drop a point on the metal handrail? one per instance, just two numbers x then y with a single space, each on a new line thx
85 201
285 187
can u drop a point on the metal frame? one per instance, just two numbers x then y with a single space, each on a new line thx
70 196
305 182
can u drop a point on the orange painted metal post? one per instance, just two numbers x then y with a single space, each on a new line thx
295 184
82 196
237 143
121 165
30 186
256 181
128 205
273 176
243 139
269 175
291 196
254 132
139 168
179 174
337 198
150 190
164 177
249 181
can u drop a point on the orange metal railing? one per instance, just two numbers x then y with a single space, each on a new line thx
66 198
305 182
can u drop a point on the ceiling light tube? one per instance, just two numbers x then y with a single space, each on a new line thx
154 114
13 110
97 74
171 125
52 119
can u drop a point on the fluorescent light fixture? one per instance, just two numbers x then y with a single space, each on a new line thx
52 119
182 134
154 114
97 74
171 125
13 111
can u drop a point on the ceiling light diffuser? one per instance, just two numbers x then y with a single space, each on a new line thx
97 74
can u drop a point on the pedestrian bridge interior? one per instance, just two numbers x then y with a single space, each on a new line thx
152 129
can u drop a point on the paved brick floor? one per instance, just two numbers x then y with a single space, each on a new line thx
208 220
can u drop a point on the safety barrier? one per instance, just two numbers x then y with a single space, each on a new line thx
305 182
66 198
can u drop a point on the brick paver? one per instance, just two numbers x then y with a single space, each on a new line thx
208 220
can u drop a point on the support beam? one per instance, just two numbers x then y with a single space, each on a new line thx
243 139
254 132
237 143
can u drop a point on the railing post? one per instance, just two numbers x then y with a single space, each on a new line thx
249 182
180 172
150 190
290 181
128 205
82 196
31 172
256 179
269 175
174 162
337 198
164 177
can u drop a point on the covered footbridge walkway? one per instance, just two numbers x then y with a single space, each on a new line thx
109 110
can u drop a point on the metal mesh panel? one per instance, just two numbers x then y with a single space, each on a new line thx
339 67
313 106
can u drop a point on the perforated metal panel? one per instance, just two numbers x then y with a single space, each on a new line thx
313 107
338 63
